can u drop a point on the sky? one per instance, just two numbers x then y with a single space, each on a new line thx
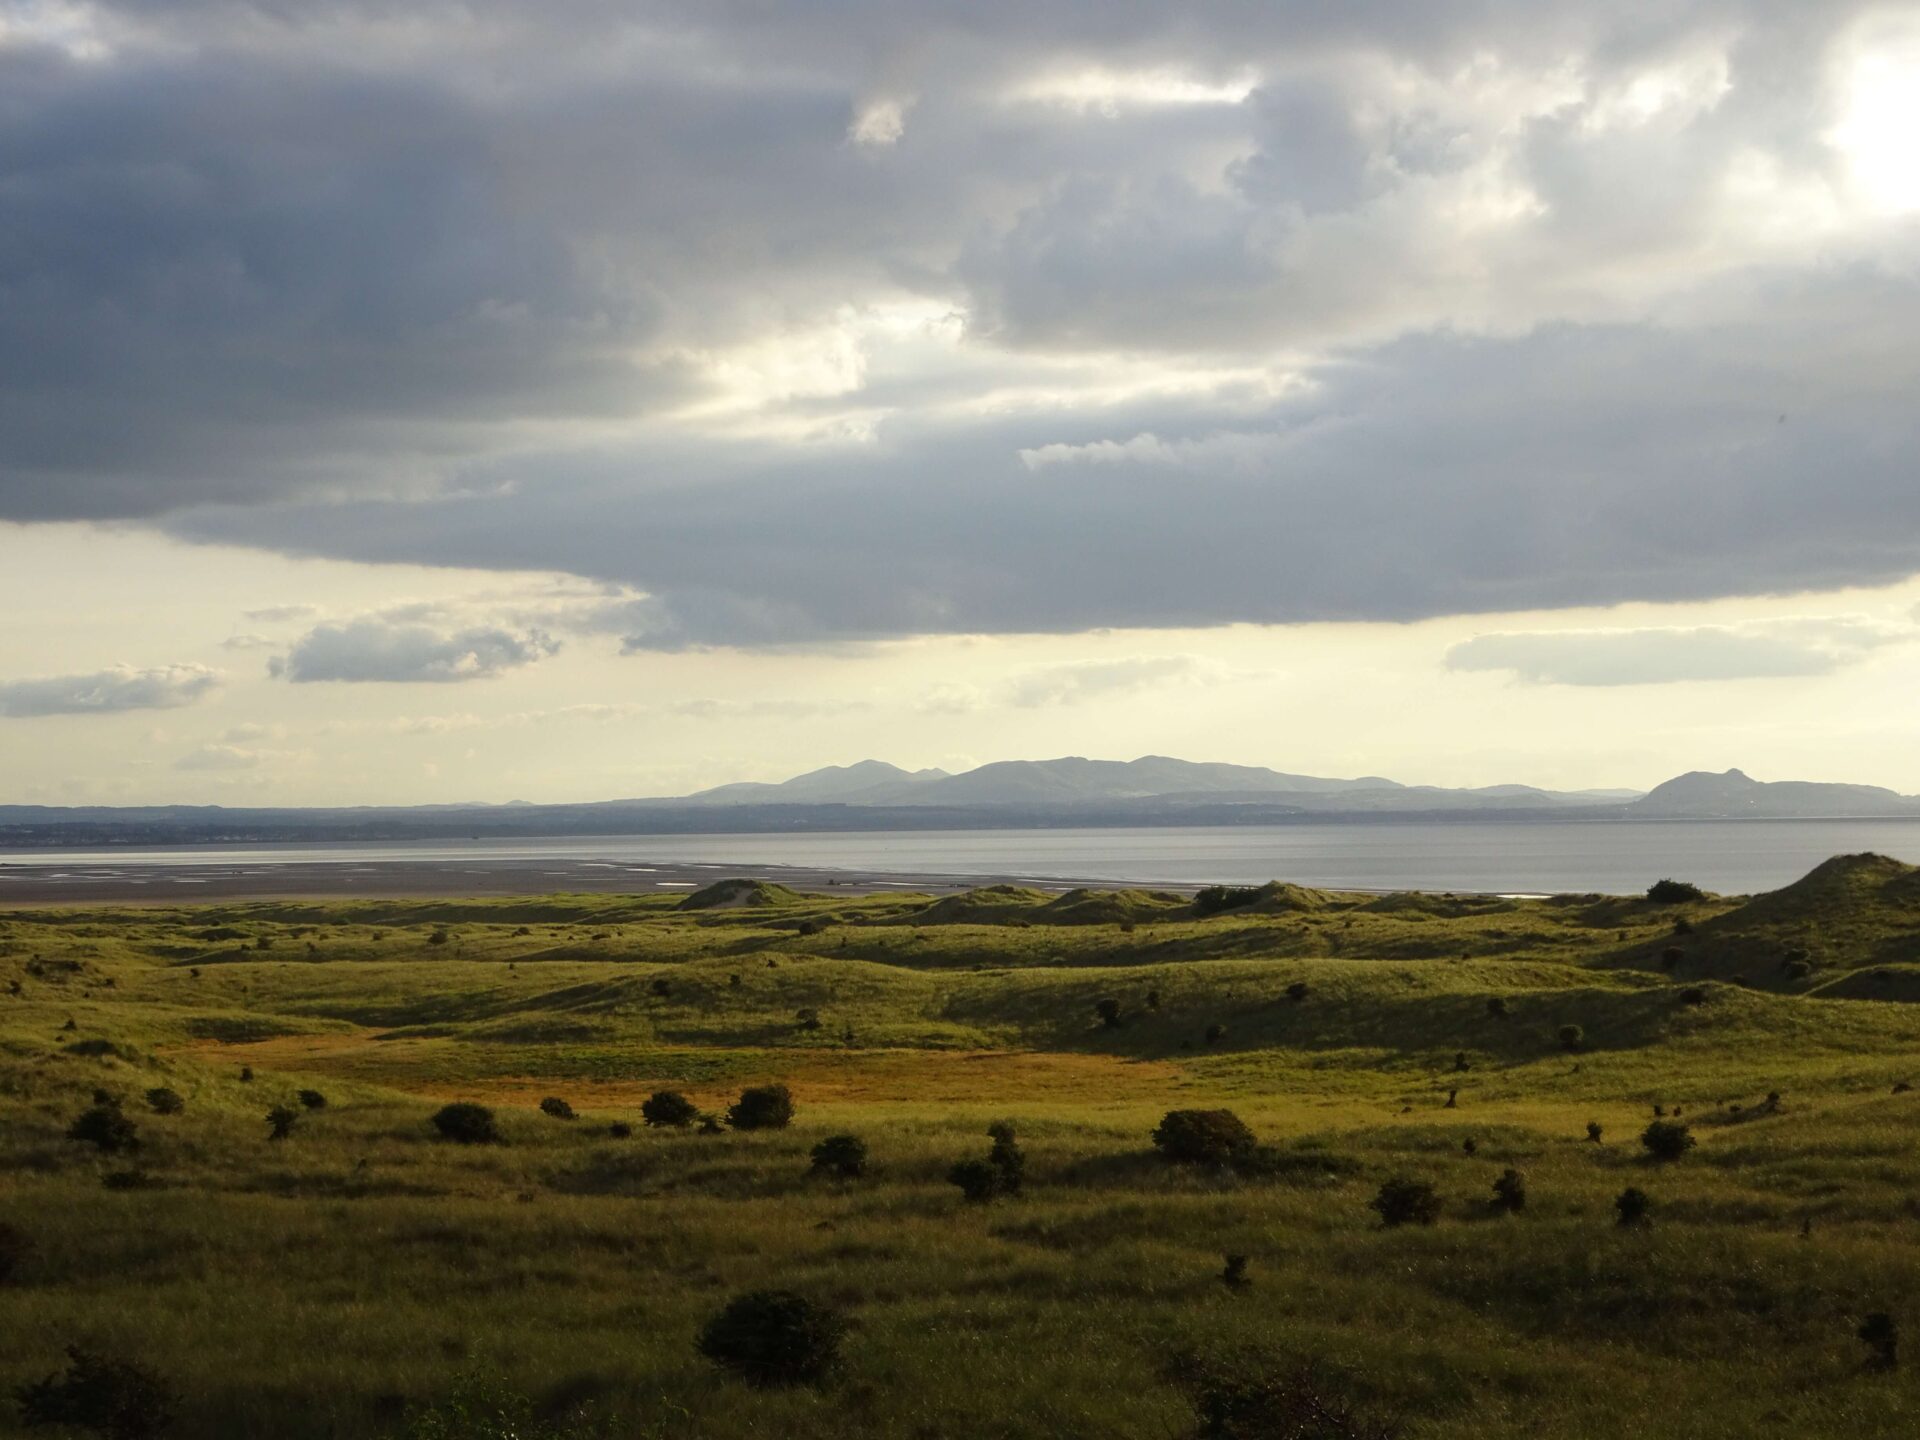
492 401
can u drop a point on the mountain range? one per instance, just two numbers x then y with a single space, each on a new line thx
873 795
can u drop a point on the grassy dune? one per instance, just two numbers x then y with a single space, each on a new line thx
337 1282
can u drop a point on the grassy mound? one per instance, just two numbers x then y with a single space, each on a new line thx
1109 907
740 895
984 905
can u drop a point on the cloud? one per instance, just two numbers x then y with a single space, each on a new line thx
220 757
107 692
922 319
277 614
376 649
1083 680
248 642
1669 655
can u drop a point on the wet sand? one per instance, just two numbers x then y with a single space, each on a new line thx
187 882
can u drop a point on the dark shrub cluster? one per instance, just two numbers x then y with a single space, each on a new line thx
1108 1009
1510 1192
762 1107
1674 892
1667 1139
668 1109
844 1156
105 1128
312 1100
559 1109
111 1397
1572 1037
1001 1173
1203 1137
619 1130
1406 1202
280 1121
774 1337
465 1123
1298 991
979 1182
1594 1132
1632 1205
163 1101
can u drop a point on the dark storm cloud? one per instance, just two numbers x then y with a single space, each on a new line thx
425 285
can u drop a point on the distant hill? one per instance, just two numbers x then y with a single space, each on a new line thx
1733 794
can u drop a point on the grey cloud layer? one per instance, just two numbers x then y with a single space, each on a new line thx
439 288
107 692
1666 655
375 649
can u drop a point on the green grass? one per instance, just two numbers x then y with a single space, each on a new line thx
325 1285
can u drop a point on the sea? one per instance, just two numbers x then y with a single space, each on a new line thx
1522 858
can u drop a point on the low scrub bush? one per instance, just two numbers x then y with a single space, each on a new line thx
559 1109
1406 1202
110 1397
668 1109
312 1100
1203 1137
979 1182
762 1107
1216 898
163 1101
106 1129
1667 1139
1674 892
844 1156
465 1123
1631 1206
280 1121
774 1337
1510 1192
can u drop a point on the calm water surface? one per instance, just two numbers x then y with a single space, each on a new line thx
1545 857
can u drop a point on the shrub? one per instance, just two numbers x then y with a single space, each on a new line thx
1234 1274
1674 892
1571 1037
774 1337
106 1129
842 1155
114 1398
1108 1009
280 1121
1594 1131
1006 1157
1497 1008
1667 1139
1694 995
1798 969
978 1180
1153 1000
1882 1337
14 1246
246 1074
710 1125
761 1107
661 987
1510 1192
807 1019
1202 1137
668 1109
163 1101
556 1107
465 1123
1406 1202
438 937
312 1100
1632 1205
1297 991
1460 1061
620 1130
1216 1033
1469 1146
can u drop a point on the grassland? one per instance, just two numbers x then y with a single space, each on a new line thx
339 1282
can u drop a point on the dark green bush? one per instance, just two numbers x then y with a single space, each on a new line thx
1667 1139
280 1121
1497 1008
106 1129
620 1130
1594 1132
110 1397
1571 1037
1006 1157
559 1109
1234 1273
1510 1192
312 1100
774 1337
842 1155
1882 1337
1694 995
1632 1205
978 1180
1108 1009
762 1107
163 1101
661 987
668 1109
1406 1202
465 1123
1298 991
1674 892
1215 1034
1203 1137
